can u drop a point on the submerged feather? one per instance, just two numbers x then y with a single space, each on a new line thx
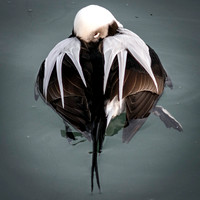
70 46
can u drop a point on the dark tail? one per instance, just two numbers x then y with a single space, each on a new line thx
98 134
94 167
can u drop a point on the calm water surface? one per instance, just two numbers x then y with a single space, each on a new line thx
37 163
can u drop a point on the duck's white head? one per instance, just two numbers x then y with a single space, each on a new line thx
92 23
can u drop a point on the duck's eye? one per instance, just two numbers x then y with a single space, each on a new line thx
96 35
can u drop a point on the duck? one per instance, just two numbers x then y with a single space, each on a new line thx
99 72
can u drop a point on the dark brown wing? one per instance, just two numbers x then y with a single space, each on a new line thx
75 110
139 91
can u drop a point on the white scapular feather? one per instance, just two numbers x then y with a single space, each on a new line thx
122 56
118 45
69 46
59 75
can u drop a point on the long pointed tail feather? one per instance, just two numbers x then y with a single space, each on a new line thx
98 134
94 167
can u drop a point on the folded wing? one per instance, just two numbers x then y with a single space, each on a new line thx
143 78
61 84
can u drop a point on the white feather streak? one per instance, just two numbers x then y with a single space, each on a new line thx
126 40
59 75
70 46
109 55
122 56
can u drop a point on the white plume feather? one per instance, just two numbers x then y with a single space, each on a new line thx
117 45
59 75
70 46
122 56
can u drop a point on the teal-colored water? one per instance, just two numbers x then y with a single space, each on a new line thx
36 162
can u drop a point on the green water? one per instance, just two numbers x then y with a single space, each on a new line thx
36 162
